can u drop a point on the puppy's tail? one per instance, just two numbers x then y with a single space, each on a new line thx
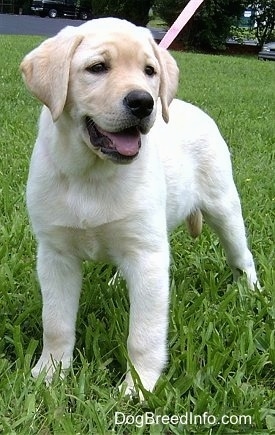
194 223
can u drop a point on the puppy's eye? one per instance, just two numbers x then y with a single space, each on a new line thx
150 70
97 68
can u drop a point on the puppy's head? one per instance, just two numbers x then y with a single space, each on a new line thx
107 76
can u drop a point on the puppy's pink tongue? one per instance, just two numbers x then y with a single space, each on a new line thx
126 142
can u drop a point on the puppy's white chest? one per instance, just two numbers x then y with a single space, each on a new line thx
90 207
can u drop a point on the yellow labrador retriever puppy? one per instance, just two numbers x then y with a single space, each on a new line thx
113 170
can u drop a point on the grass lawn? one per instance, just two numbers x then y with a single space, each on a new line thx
221 337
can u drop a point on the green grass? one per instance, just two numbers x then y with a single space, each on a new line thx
221 337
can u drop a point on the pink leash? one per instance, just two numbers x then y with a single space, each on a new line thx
180 22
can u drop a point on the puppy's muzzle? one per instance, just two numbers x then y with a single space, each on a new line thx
140 103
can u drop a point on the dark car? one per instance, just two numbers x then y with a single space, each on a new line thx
61 8
267 52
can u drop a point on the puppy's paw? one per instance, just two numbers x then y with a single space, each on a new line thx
252 281
50 367
131 392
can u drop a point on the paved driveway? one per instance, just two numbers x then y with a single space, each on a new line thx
33 25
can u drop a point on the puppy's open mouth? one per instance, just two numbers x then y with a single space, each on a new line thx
121 147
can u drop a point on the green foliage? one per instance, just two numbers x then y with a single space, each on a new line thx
265 19
210 26
240 34
136 11
221 335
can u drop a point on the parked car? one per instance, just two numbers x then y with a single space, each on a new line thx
267 52
61 8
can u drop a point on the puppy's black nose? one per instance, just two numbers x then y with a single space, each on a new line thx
140 103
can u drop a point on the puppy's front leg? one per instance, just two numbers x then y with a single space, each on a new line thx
60 280
147 276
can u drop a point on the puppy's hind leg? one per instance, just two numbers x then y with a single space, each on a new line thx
223 213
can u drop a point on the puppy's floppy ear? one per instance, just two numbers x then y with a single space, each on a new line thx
169 79
46 69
